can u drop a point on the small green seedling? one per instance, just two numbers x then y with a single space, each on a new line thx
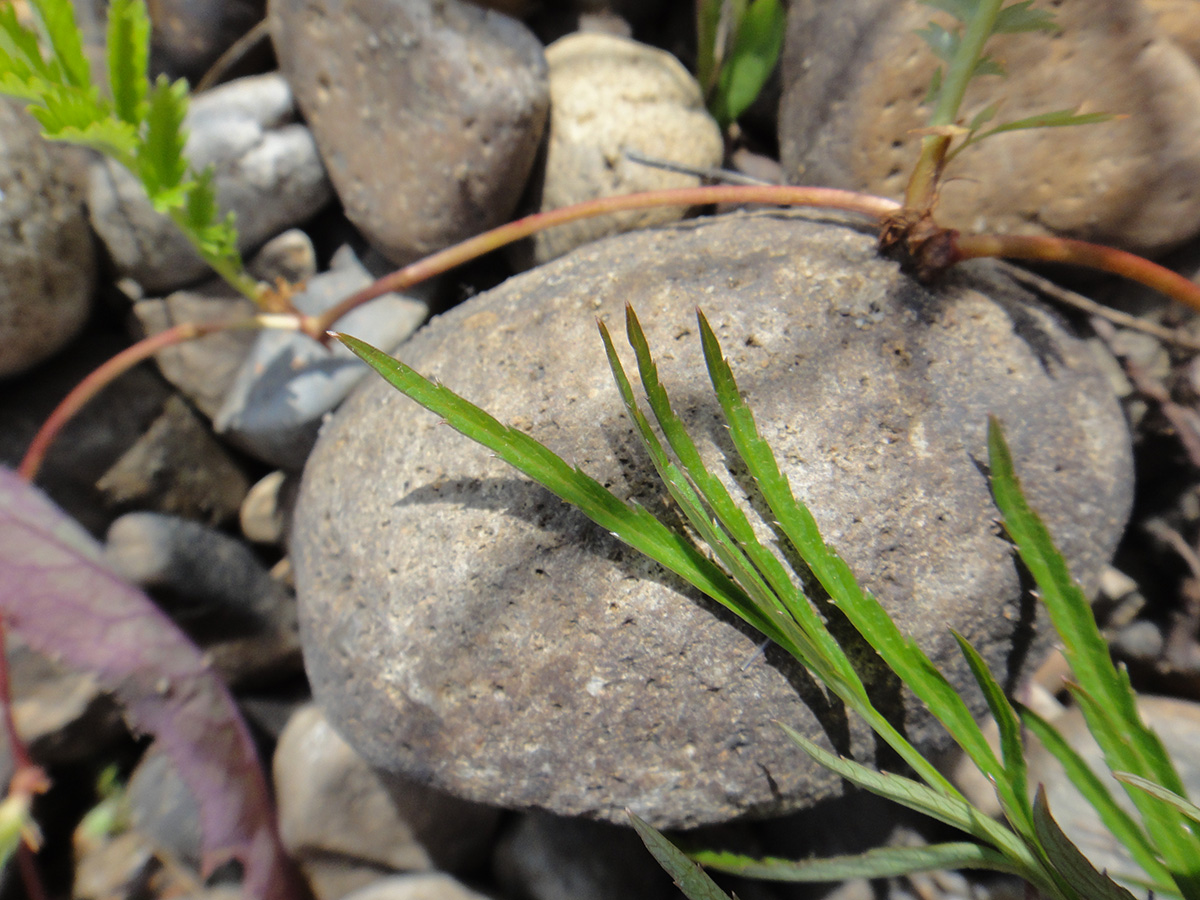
138 124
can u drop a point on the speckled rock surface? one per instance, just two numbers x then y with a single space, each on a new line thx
610 95
464 627
47 261
428 114
854 74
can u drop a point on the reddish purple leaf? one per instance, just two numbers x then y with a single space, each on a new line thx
57 594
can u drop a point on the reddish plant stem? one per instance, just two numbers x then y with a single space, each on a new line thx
1080 253
444 260
101 377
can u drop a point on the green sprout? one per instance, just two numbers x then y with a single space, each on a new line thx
738 42
138 124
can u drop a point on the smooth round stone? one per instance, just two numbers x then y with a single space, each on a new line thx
464 627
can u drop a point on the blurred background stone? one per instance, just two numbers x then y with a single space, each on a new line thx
47 260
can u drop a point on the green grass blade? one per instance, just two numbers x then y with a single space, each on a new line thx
1072 865
951 810
751 60
1115 819
882 862
728 512
1185 806
128 58
630 523
708 17
871 620
764 612
689 877
1106 697
1012 788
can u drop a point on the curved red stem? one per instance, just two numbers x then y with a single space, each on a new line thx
444 260
1080 253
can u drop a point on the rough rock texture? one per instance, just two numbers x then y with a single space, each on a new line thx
267 172
464 627
47 260
854 75
451 97
610 95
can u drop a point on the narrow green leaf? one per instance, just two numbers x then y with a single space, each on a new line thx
1069 610
107 135
1023 17
784 590
943 43
708 55
690 878
1114 818
988 65
935 87
128 58
1106 698
630 523
67 109
161 162
57 17
984 116
831 572
1012 785
1185 806
19 51
1072 865
950 809
763 609
1061 118
751 61
883 862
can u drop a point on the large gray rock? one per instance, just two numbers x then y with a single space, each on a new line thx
428 114
464 627
47 261
855 73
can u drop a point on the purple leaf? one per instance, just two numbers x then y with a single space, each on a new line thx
57 594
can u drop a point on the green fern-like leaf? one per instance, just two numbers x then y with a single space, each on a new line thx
57 20
128 58
1023 17
160 159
